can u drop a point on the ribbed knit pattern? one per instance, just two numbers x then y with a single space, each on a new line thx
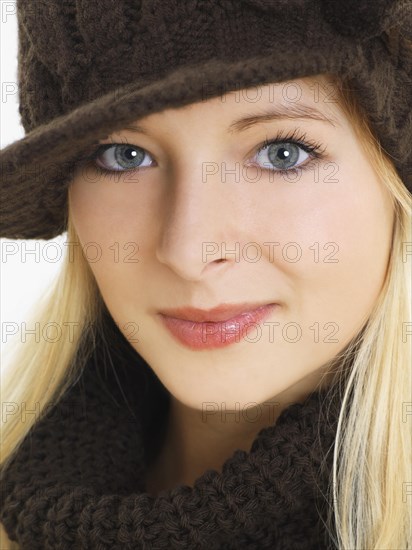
78 480
89 67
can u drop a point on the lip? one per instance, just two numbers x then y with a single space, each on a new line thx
223 312
218 327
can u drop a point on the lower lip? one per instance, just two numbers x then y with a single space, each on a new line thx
211 335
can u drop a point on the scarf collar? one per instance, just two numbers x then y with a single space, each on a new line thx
78 479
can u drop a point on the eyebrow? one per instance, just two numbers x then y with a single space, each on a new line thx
280 112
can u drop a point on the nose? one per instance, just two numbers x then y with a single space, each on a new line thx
200 224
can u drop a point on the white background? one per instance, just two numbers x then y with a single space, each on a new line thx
23 276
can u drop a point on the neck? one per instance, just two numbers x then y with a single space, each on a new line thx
196 442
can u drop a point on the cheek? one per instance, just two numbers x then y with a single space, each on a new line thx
356 220
362 220
334 246
102 208
99 235
115 229
88 207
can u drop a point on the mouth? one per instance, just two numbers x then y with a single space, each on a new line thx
223 312
214 328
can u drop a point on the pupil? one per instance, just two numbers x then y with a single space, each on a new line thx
128 157
282 157
132 152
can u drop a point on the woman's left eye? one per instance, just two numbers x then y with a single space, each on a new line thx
282 156
286 154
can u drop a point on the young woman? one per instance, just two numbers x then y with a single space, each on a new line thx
224 360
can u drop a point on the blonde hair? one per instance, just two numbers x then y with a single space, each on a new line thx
371 480
368 502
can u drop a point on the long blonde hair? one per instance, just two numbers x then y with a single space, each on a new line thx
369 506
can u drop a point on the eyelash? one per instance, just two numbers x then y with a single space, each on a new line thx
315 149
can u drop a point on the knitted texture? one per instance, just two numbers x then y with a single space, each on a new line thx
87 68
78 479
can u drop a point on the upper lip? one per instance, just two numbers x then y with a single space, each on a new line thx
223 312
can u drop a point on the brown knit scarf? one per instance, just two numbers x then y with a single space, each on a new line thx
78 479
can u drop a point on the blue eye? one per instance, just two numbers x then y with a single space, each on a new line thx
283 154
119 157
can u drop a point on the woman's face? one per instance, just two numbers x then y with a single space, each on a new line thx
192 215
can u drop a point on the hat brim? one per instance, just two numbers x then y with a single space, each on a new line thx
36 170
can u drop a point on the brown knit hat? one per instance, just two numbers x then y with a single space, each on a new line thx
87 68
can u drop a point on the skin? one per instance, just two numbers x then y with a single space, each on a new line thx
169 212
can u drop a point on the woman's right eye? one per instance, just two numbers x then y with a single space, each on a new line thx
119 157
